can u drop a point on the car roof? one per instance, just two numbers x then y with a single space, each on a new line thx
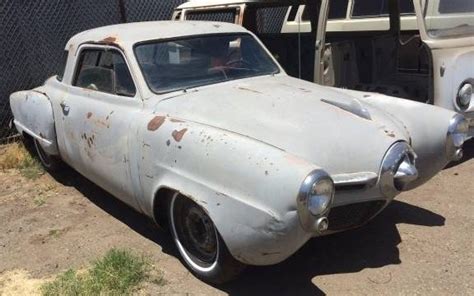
206 3
125 35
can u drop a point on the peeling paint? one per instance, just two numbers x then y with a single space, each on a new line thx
110 39
155 123
178 135
249 89
390 134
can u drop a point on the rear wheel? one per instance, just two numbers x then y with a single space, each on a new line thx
50 162
199 243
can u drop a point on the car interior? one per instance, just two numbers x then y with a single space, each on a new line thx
104 71
393 63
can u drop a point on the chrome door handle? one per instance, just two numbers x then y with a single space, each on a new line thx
64 107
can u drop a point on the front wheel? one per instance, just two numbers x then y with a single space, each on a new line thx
199 243
50 162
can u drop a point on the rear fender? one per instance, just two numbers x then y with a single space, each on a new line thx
33 115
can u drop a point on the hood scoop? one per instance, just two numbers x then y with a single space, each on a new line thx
353 106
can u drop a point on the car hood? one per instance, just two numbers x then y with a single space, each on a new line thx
325 126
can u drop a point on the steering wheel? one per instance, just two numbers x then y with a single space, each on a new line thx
218 69
240 61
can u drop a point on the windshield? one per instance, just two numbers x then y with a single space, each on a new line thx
195 61
449 18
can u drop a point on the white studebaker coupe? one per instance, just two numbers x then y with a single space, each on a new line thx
196 124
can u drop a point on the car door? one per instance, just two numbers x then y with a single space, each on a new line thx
99 113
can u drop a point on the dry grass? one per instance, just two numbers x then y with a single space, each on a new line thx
16 156
119 272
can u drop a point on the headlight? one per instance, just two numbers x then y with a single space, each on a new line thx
398 169
314 200
320 196
464 96
457 135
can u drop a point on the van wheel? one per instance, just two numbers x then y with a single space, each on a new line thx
201 246
50 162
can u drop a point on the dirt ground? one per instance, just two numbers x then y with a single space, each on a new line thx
421 244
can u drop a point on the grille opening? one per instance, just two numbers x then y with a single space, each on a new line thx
353 215
351 187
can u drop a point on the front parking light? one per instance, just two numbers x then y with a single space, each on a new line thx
457 134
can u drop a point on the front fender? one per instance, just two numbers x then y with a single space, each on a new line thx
33 115
427 126
248 188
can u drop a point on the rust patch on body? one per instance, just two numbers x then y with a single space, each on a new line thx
155 123
89 115
178 135
390 134
109 40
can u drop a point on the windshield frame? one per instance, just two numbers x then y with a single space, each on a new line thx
184 37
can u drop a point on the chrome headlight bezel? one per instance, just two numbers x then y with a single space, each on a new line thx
457 134
398 169
310 218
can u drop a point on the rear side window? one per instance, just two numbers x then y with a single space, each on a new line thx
378 8
105 71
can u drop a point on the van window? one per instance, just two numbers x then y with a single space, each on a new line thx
337 10
379 8
292 14
270 19
449 18
456 6
224 15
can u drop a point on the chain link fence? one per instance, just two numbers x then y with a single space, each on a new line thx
33 34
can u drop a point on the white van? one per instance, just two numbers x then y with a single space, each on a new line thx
421 50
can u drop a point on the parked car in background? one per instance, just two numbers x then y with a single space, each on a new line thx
195 123
421 50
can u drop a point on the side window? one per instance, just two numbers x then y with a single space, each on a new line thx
378 8
292 14
104 71
337 10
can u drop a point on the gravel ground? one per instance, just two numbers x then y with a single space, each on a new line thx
421 244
